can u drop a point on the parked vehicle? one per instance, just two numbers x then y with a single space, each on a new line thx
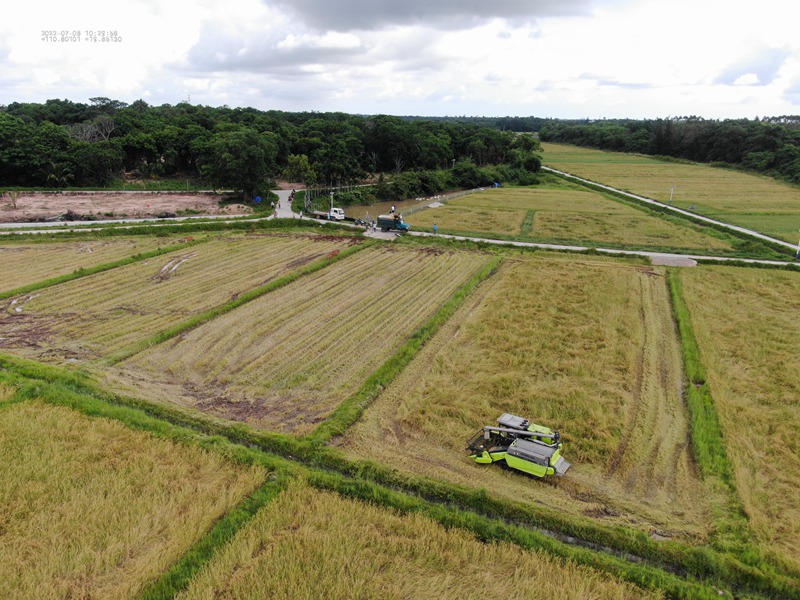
334 214
393 222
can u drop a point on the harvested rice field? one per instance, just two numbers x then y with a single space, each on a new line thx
584 346
26 263
286 360
95 316
316 544
93 509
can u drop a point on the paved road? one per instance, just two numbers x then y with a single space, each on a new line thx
675 209
657 258
283 210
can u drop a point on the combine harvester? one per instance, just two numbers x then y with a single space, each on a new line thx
524 446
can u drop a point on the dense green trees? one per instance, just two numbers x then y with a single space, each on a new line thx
770 146
62 143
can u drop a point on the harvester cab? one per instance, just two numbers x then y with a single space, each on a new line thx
525 446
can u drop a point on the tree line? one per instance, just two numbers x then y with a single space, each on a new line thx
60 143
770 146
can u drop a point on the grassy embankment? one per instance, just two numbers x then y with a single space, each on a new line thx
748 353
563 213
752 201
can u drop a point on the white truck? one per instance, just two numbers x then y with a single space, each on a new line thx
335 214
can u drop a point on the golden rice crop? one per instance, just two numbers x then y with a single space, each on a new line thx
26 263
587 348
100 314
753 201
316 544
747 329
92 509
562 215
287 359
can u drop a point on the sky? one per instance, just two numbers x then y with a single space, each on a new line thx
546 58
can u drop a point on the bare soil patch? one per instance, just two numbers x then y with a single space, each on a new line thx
96 206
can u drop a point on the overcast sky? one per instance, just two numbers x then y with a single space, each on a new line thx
548 58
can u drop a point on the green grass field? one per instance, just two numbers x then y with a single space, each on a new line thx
562 213
752 201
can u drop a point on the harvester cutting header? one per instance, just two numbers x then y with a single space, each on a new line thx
525 446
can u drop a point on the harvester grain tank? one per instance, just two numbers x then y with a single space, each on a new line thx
525 446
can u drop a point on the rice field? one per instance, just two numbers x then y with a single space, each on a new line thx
100 314
26 263
562 215
286 360
584 346
92 509
757 202
749 348
317 544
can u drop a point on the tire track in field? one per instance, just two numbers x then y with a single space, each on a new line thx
653 461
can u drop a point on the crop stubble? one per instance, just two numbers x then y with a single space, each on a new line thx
585 347
286 360
103 313
26 263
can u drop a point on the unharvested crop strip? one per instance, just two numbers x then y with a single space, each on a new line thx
492 530
233 304
527 224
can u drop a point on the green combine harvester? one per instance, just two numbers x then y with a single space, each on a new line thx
525 446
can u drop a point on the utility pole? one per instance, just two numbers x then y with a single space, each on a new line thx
797 256
671 192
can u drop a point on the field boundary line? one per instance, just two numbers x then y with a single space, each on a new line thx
86 271
775 244
178 577
221 309
246 444
351 409
527 224
708 442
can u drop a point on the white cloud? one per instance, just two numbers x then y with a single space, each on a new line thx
637 58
